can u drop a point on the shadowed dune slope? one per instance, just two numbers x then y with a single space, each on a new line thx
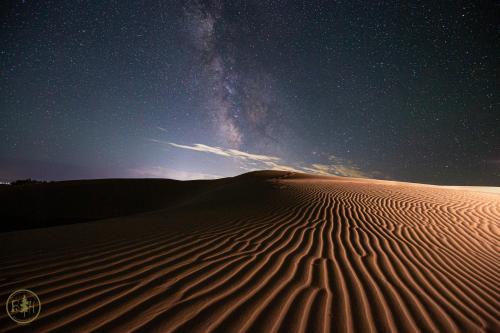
49 204
267 252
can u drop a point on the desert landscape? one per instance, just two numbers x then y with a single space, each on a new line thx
265 251
250 166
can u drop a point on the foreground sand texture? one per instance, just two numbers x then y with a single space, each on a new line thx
271 251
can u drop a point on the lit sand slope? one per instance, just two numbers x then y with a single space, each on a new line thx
269 252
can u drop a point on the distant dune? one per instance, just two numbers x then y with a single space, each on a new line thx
261 252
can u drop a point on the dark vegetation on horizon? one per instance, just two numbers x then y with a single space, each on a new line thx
29 181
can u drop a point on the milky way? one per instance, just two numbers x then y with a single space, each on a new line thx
241 100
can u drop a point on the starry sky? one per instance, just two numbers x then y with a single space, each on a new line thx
399 90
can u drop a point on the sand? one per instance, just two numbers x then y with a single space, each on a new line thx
266 252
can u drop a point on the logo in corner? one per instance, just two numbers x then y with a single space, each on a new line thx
23 306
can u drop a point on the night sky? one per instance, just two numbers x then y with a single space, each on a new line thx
400 90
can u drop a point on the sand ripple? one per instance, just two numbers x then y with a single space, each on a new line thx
303 254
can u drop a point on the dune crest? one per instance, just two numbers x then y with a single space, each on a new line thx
267 252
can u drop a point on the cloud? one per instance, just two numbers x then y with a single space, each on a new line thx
322 168
255 157
252 162
336 170
347 171
202 148
282 167
233 153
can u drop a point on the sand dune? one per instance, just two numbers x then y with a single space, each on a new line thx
270 251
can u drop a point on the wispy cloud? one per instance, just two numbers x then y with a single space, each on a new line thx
233 153
254 157
202 148
250 162
336 170
282 167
